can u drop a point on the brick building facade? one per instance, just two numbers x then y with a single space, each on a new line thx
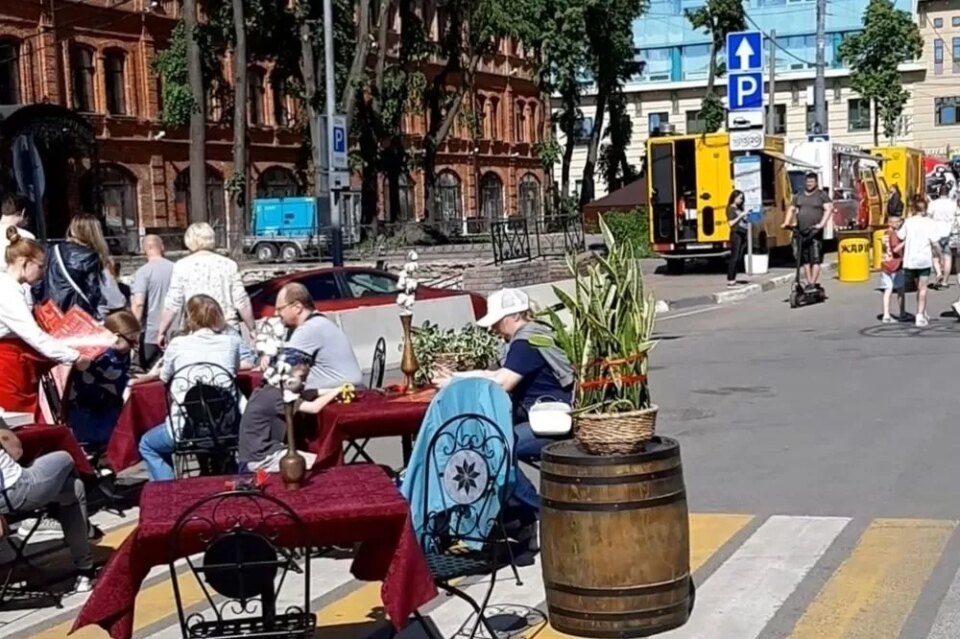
93 59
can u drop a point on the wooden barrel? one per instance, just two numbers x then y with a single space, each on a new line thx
615 541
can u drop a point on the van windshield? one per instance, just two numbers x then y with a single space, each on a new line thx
797 179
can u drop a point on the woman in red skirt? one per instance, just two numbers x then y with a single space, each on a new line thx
26 352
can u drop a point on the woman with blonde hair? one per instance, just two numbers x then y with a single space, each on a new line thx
26 351
206 339
77 271
204 272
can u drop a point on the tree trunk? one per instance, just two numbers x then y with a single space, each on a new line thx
238 194
587 190
440 125
876 123
308 68
198 119
546 135
568 126
712 68
358 66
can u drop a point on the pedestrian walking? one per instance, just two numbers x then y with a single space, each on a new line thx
150 286
943 211
921 246
891 270
737 219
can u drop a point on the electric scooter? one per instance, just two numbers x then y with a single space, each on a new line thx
801 295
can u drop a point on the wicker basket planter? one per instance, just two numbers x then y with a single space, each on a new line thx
615 433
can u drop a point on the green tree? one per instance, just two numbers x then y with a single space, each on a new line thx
613 164
473 30
610 62
716 18
889 38
555 32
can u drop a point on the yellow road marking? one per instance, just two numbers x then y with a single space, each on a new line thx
876 586
152 605
354 616
708 534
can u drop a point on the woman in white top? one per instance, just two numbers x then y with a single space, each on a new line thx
204 272
26 352
205 340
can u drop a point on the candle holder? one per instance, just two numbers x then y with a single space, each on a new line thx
292 465
408 362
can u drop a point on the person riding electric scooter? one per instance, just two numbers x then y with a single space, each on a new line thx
809 213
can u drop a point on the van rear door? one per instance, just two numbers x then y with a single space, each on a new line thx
662 198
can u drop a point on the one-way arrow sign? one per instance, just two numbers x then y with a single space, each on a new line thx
744 51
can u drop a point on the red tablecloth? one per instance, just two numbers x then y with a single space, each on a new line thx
340 506
145 408
40 439
371 414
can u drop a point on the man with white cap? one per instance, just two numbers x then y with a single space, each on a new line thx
527 372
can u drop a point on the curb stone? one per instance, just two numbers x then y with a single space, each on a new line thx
736 295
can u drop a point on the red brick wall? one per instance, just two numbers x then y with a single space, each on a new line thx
130 140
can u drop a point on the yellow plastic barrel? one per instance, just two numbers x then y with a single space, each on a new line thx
878 248
853 264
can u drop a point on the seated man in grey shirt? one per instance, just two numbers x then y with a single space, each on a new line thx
334 362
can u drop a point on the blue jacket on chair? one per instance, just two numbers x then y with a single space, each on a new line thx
466 396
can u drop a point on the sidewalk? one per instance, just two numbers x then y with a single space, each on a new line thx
701 285
706 285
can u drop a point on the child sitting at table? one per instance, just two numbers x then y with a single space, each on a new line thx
51 478
263 425
95 396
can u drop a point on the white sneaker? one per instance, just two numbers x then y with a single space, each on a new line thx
922 320
888 320
48 530
956 308
83 584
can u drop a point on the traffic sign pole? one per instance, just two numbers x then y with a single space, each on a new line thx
336 230
745 93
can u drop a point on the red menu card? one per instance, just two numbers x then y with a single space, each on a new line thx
75 328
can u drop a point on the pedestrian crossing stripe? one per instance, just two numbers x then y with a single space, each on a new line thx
873 591
856 585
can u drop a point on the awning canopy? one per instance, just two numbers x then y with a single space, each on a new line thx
790 160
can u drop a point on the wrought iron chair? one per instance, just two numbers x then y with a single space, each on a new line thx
250 543
463 531
8 523
203 402
377 370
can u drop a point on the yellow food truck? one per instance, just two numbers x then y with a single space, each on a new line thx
903 166
689 180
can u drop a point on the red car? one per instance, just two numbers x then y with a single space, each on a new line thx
346 288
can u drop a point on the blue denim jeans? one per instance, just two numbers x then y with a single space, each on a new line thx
156 448
527 447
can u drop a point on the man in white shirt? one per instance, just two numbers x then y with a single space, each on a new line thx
13 212
943 211
921 244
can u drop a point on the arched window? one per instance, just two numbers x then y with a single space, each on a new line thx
113 65
256 102
9 72
449 204
530 196
281 114
277 182
407 212
491 196
520 123
119 189
216 200
494 118
82 72
116 201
